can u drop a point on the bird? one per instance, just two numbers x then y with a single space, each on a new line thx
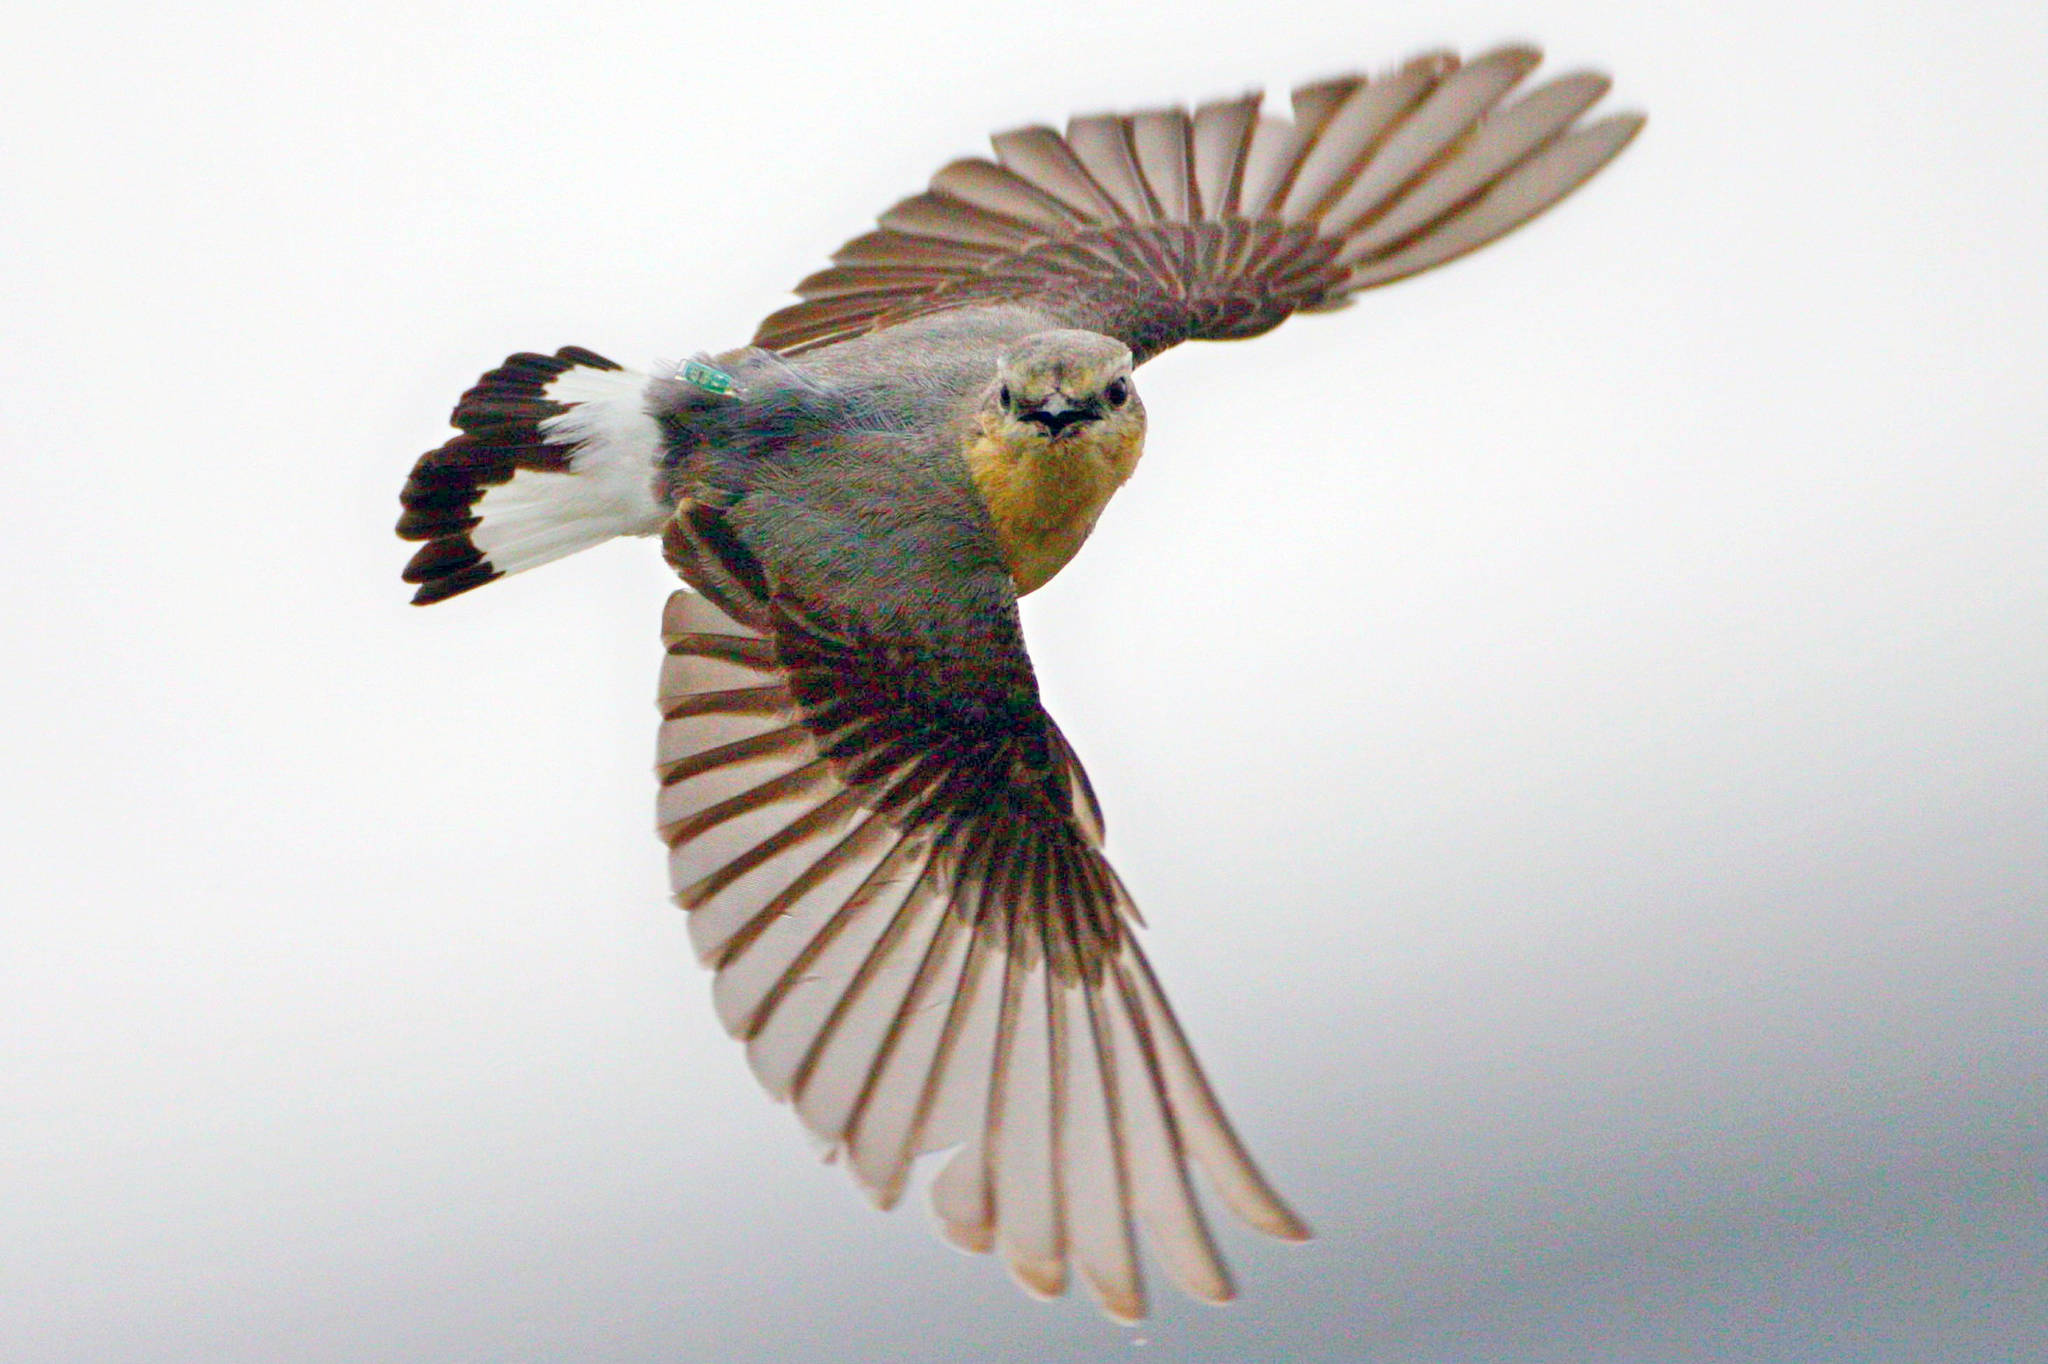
891 857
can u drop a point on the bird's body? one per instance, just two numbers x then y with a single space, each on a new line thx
890 854
899 432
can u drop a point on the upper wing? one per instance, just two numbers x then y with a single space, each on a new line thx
1166 226
893 860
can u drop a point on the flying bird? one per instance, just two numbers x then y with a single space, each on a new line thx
890 855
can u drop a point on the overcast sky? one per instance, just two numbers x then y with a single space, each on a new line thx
1575 721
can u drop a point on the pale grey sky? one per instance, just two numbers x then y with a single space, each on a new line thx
1574 720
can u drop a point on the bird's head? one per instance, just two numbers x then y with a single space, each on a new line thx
1061 428
1068 393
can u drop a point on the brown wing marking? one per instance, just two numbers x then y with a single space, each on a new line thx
1164 226
923 951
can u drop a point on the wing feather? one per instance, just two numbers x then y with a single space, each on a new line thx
1162 1195
1020 1137
918 940
1161 138
841 1069
908 250
1208 1133
1162 226
1105 1239
842 280
1269 160
963 1195
1000 191
1043 158
1491 148
882 1132
811 959
1222 132
1333 165
1102 143
1445 114
936 213
1519 195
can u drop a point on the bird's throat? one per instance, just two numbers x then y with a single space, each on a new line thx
1044 497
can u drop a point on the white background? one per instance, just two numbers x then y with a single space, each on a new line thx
1575 720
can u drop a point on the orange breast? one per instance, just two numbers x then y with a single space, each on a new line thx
1044 496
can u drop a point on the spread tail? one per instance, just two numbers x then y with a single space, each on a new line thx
556 454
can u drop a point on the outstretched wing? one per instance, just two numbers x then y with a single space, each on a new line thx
1165 226
893 862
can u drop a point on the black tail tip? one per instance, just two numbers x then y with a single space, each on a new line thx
500 423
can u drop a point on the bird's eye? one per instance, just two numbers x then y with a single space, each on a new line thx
1118 392
1004 397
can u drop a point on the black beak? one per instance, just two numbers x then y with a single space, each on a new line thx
1057 413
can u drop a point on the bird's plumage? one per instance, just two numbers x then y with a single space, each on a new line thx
557 453
1169 226
890 855
893 860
